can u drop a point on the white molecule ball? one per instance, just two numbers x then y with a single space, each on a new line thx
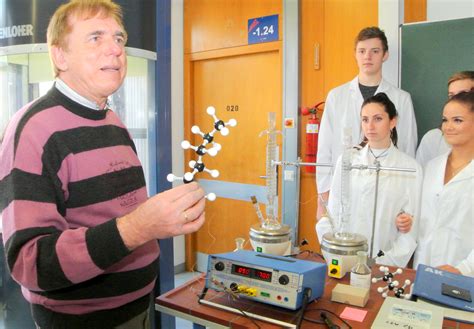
211 196
185 144
191 163
211 110
170 178
232 122
225 131
195 130
215 173
188 176
212 152
217 146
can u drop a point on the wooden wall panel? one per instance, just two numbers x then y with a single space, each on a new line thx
415 11
246 79
333 24
219 232
217 24
343 19
312 92
250 82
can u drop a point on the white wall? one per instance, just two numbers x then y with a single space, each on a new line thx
177 104
438 10
391 15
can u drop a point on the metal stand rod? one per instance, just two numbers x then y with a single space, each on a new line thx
377 171
252 315
375 167
357 166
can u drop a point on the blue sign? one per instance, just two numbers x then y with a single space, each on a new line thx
263 29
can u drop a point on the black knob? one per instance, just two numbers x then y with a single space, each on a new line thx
284 279
219 266
234 286
334 271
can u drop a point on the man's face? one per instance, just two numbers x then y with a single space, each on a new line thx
458 86
370 56
93 62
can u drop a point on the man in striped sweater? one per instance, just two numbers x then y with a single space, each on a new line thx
79 230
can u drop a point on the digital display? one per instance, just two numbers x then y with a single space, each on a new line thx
252 273
241 270
263 275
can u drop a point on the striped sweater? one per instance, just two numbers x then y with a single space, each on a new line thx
66 173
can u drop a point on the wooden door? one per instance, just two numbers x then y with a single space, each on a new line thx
331 27
243 83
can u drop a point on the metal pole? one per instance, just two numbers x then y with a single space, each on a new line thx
377 171
357 166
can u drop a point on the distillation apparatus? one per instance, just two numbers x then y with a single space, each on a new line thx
340 246
269 235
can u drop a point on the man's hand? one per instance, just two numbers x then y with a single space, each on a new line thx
404 222
174 212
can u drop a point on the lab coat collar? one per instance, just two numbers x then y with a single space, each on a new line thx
383 86
466 173
367 156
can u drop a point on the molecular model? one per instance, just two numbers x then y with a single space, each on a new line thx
399 292
201 150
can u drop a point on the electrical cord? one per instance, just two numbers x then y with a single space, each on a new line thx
324 319
310 252
231 294
328 321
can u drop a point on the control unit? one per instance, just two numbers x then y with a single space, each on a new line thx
270 279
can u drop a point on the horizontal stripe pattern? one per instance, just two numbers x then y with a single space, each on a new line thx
105 285
20 185
105 187
95 319
17 240
51 201
82 139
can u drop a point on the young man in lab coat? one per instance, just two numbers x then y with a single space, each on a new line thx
341 119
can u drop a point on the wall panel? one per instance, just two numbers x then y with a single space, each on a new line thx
333 24
217 24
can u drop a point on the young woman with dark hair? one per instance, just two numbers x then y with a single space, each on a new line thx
398 192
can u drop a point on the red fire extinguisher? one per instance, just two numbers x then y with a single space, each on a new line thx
312 131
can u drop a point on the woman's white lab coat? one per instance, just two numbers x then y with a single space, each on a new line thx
446 233
432 145
397 192
342 109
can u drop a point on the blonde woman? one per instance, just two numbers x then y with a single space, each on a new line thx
447 217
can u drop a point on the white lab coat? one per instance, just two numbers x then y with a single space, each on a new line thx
342 109
432 145
398 191
446 234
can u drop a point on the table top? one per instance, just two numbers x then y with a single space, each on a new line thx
184 299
